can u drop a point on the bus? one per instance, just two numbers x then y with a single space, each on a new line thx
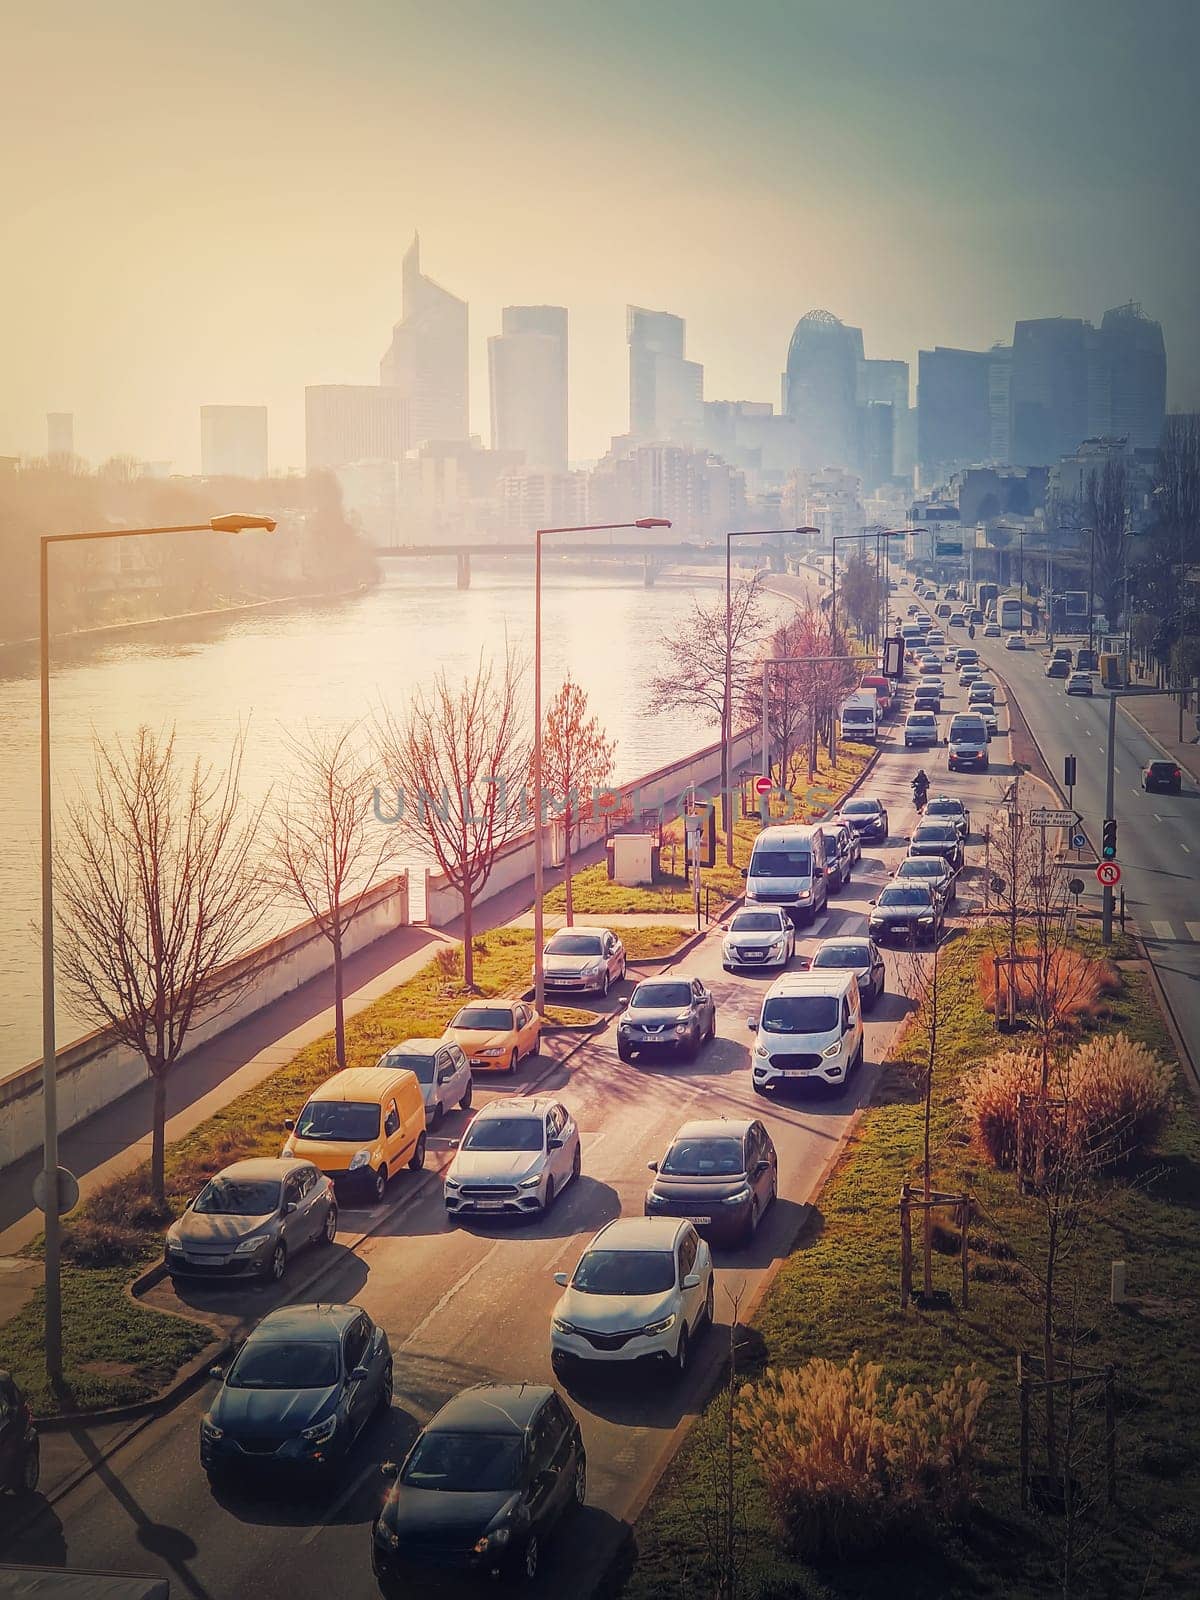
1010 614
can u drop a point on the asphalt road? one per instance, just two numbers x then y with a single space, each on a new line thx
1158 835
467 1304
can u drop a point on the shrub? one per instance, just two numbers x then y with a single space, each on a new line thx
448 962
990 1099
1078 986
848 1457
90 1243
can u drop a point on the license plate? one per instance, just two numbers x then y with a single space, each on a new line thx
797 1072
754 955
699 1221
490 1205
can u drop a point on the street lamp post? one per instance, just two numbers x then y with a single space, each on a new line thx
235 522
727 698
1021 533
539 969
1091 533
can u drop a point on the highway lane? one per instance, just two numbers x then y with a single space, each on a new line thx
466 1304
1158 835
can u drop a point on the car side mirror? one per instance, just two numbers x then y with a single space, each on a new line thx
760 1166
622 1002
744 871
389 1469
692 1281
560 1279
290 1208
652 1166
359 1374
216 1372
290 1124
752 1024
554 1144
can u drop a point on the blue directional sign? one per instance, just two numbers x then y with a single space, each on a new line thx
1078 840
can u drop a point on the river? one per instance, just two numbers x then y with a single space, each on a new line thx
319 663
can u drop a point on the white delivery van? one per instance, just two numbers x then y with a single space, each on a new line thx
810 1029
859 717
787 868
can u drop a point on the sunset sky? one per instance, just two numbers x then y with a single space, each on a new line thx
209 203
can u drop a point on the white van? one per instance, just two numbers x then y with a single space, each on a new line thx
787 868
810 1030
859 717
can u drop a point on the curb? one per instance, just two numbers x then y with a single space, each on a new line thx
1155 741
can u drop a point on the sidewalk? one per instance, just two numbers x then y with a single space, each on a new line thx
1158 716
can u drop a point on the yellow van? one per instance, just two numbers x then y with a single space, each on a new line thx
364 1123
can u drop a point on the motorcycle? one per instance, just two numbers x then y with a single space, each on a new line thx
920 794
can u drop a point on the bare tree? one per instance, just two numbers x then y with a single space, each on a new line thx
458 763
788 702
1106 510
157 890
694 679
577 758
327 852
927 983
860 592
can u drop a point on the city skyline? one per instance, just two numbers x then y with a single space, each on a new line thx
286 269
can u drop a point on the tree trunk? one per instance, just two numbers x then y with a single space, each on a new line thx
468 941
339 1003
159 1135
567 865
1048 1362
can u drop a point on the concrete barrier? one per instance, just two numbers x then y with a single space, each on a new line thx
97 1069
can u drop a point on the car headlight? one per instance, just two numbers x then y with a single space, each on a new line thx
923 921
174 1248
832 1049
247 1247
778 947
491 1051
593 967
386 1536
495 1540
530 1183
740 1198
210 1431
453 1183
661 1326
761 1050
681 1027
561 1325
360 1159
320 1432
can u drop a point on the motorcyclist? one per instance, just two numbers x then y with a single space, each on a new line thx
971 631
920 787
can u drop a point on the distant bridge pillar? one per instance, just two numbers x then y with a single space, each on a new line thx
648 571
464 569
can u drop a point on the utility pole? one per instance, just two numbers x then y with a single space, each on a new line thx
1109 802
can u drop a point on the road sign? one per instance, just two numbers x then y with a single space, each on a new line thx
1078 840
949 547
1051 817
1108 873
763 785
68 1191
1075 885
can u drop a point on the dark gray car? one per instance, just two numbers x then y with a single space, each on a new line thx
941 838
933 871
669 1014
248 1219
908 912
720 1174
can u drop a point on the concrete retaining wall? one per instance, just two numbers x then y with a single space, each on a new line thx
96 1070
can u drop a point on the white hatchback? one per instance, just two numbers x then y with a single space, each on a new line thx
759 936
642 1291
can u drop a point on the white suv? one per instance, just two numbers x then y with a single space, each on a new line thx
810 1030
643 1290
514 1159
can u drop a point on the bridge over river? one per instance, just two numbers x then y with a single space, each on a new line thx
653 557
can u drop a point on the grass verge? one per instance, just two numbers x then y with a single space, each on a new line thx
838 1292
116 1351
594 893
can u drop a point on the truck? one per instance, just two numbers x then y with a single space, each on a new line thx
986 595
859 716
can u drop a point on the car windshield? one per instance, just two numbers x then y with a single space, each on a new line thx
625 1272
921 867
338 1119
275 1364
924 720
780 863
755 922
238 1197
944 808
504 1133
965 729
861 808
574 944
465 1463
491 1018
896 895
934 832
800 1013
661 994
421 1066
841 955
704 1158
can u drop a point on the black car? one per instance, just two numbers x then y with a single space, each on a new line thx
1162 777
859 955
20 1455
941 838
298 1392
719 1174
1058 669
839 855
931 870
672 1014
481 1488
946 808
867 816
1086 660
908 912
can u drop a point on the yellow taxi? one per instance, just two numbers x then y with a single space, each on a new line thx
495 1035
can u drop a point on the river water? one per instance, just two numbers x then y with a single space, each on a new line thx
278 669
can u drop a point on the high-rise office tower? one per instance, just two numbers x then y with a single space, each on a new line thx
666 391
1053 367
346 422
954 418
820 389
527 376
1133 363
427 360
233 441
885 383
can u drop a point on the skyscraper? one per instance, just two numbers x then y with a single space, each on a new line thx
233 441
527 374
427 360
820 388
666 391
346 422
1052 363
885 383
954 420
1134 364
1000 403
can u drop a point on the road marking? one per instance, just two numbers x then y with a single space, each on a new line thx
1157 818
1135 791
1164 930
1194 929
449 1295
1117 770
1088 731
342 1500
1186 849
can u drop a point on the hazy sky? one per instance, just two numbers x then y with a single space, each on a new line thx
208 203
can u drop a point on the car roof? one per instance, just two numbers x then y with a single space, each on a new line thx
913 863
640 1233
262 1168
581 927
862 799
714 1128
840 939
828 980
315 1324
520 1105
491 1408
359 1083
409 1047
945 800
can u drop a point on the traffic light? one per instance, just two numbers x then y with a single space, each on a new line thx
1109 848
1069 771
